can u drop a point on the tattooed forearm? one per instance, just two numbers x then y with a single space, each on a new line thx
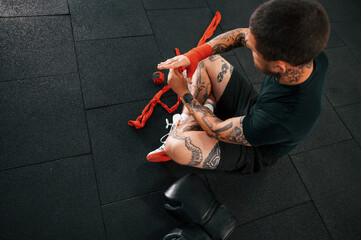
228 36
221 48
194 127
207 122
215 131
212 161
190 124
236 135
218 132
202 114
230 130
188 98
229 40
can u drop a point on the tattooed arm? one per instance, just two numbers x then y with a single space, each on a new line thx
229 40
230 130
220 44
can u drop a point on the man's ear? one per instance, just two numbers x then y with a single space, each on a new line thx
281 66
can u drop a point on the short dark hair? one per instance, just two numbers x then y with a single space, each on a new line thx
294 31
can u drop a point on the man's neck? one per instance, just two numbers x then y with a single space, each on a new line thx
295 75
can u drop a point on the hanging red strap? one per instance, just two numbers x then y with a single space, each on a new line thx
148 110
211 28
207 34
180 69
177 51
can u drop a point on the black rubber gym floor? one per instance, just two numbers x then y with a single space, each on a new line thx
72 73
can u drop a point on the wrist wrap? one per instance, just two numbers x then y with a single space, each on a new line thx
196 55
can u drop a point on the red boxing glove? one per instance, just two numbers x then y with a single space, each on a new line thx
196 55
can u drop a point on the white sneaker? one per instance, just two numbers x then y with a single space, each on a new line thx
159 155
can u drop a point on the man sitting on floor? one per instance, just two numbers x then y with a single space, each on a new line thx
249 130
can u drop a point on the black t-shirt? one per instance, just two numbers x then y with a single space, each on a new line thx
285 114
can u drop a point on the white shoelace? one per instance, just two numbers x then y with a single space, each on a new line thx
168 124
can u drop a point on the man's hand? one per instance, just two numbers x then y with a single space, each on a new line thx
175 62
177 82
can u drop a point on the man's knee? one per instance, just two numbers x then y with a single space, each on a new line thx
211 60
171 146
205 63
173 149
168 147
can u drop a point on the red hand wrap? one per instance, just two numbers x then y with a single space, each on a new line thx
195 55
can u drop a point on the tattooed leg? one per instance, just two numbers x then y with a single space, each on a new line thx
212 74
212 161
214 57
224 70
201 85
196 153
219 72
193 148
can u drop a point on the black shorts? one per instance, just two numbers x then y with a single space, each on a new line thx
237 99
